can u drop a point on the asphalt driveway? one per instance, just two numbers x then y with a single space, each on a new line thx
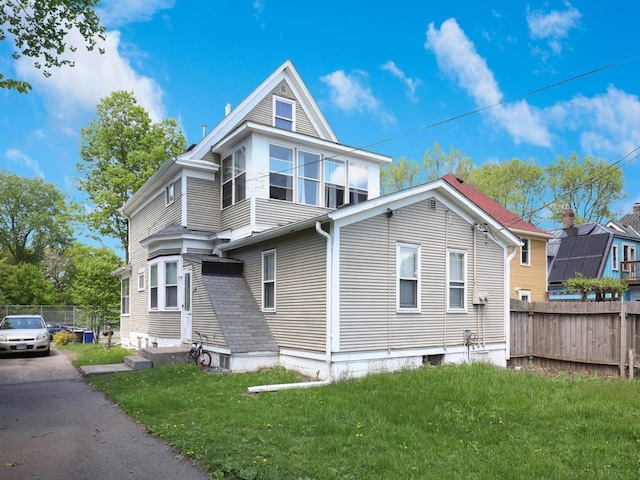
54 425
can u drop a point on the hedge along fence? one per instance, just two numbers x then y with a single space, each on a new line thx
597 337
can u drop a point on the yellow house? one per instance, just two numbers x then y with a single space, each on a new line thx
528 278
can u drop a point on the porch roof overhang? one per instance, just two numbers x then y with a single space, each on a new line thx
121 270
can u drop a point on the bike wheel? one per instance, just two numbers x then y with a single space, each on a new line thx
204 360
193 356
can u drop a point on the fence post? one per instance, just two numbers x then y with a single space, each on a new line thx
530 333
623 338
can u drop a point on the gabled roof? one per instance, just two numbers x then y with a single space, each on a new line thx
493 208
287 72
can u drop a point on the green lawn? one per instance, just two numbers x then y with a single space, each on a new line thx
92 354
453 422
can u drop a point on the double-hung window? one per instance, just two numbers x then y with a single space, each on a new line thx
525 252
283 113
457 281
171 284
125 296
408 277
153 287
269 281
308 178
234 177
335 179
281 172
615 261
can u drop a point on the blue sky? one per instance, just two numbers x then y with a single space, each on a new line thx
380 71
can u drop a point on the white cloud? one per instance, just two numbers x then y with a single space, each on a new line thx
350 92
115 13
409 83
456 56
21 158
73 91
258 8
609 123
553 26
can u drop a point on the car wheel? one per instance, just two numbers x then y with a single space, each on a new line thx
46 352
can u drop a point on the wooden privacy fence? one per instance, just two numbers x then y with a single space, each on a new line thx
597 337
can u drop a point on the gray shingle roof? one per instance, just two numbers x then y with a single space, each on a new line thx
243 324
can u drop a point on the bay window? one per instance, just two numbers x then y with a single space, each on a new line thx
153 287
281 172
335 179
358 183
308 178
163 284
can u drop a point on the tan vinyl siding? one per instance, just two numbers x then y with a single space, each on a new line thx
203 204
263 112
203 317
272 213
531 277
165 324
237 216
368 317
299 320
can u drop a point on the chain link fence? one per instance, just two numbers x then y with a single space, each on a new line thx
69 315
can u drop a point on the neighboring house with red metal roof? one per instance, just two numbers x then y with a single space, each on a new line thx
529 266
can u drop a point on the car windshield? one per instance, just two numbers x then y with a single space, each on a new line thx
17 323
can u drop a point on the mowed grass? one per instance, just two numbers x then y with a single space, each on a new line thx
451 422
92 354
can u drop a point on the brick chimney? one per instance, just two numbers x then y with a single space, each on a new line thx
636 207
567 218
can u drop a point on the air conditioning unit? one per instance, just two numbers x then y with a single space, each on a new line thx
480 297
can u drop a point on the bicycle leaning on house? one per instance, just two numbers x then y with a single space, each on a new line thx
198 354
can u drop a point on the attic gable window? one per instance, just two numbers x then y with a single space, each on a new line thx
234 177
283 113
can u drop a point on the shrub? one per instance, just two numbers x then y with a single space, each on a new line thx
63 337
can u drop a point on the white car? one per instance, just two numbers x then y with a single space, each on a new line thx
24 334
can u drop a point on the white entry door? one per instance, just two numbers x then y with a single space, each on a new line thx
186 306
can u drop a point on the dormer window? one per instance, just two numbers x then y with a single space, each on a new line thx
283 113
169 194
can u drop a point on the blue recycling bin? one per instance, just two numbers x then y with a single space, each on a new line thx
88 336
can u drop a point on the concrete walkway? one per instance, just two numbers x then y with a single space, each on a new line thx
55 426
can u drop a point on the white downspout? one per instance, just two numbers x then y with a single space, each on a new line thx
507 289
329 303
321 383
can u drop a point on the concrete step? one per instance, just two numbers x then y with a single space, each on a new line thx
137 362
88 370
161 356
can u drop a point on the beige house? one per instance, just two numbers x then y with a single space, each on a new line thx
270 237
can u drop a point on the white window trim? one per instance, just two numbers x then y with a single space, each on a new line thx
169 194
418 307
528 262
466 281
277 99
615 258
274 281
161 287
141 281
122 296
234 178
524 293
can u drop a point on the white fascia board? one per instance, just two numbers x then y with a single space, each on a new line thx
438 189
285 71
529 234
340 150
167 171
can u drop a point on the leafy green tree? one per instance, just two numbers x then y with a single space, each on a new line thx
25 284
34 216
93 287
437 163
398 175
39 30
515 184
603 288
121 148
589 187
